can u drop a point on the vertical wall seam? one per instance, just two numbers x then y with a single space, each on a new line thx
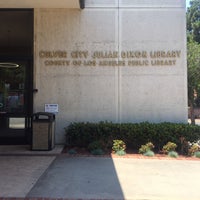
119 74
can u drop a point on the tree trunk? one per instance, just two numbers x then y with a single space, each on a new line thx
192 116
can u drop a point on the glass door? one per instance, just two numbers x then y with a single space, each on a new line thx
15 101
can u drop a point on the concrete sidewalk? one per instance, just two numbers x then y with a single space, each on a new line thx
119 178
60 176
20 168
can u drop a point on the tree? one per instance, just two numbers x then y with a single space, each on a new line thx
193 20
193 63
193 55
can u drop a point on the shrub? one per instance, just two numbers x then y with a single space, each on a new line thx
149 153
173 154
121 153
118 145
170 146
94 145
97 152
184 146
72 151
147 147
193 149
134 135
197 154
95 148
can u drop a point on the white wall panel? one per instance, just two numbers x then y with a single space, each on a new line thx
118 92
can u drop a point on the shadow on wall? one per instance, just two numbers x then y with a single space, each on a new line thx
79 178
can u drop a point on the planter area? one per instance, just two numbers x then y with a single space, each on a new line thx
133 140
82 152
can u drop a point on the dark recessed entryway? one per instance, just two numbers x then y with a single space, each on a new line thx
16 71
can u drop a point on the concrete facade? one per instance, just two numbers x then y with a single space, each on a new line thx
40 4
122 61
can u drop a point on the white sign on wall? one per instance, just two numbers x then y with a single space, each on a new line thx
52 108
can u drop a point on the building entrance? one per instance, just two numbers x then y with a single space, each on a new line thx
16 64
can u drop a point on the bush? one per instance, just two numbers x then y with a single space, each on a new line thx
170 146
147 147
173 154
134 135
97 152
94 145
121 153
72 152
118 145
149 153
193 149
185 145
197 154
95 148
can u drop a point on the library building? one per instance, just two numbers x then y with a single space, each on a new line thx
90 61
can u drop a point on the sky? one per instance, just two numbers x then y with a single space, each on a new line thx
187 3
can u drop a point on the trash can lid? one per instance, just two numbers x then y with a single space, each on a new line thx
44 116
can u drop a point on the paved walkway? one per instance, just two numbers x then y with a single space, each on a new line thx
57 176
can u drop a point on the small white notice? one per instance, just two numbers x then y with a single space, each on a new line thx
51 108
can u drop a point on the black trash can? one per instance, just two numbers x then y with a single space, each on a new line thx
43 127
